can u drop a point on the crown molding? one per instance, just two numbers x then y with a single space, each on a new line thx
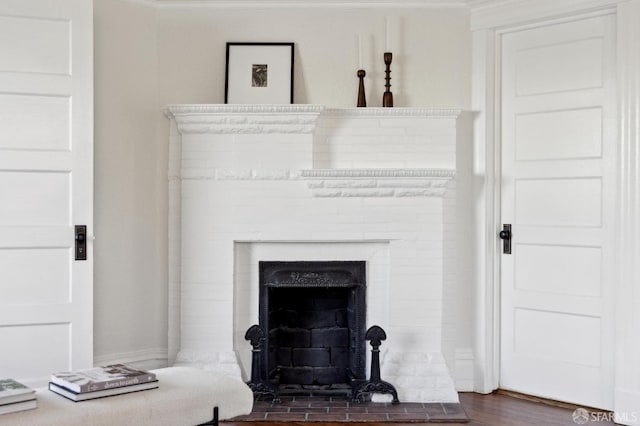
309 3
486 14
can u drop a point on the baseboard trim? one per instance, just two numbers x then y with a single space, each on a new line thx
463 374
547 401
146 358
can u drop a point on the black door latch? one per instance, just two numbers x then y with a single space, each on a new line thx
505 235
81 242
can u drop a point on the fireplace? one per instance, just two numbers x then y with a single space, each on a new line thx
291 183
314 315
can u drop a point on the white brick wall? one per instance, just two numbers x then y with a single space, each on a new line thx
247 195
375 138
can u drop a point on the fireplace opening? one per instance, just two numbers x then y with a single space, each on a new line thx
314 317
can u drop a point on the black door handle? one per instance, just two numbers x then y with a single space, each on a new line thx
81 242
505 235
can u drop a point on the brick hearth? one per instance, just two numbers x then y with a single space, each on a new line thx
339 409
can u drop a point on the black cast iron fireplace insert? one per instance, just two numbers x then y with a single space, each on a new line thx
314 318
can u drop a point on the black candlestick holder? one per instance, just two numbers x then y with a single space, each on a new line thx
362 101
387 97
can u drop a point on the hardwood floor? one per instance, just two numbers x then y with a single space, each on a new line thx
497 409
504 409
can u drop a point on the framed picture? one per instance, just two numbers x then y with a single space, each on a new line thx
259 73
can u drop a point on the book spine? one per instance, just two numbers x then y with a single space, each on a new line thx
116 383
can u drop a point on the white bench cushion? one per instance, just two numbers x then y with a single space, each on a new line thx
186 396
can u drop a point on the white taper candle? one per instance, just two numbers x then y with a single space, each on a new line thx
388 35
359 52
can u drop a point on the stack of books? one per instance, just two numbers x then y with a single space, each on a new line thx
15 396
100 382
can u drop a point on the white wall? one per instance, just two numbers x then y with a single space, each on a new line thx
431 65
148 57
130 188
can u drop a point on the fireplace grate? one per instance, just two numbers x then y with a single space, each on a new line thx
313 315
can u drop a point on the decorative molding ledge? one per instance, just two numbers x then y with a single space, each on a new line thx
393 112
343 182
175 110
245 119
377 173
377 182
270 119
329 183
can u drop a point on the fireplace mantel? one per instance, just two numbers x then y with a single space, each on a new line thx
253 183
253 119
246 115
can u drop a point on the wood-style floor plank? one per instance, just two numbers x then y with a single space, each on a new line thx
497 409
501 409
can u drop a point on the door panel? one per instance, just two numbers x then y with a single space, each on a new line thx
37 198
30 122
558 97
568 269
50 339
564 134
558 66
35 44
570 202
43 285
557 336
46 186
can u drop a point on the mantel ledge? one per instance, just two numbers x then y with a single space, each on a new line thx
230 109
174 111
245 119
296 118
377 173
336 183
396 112
331 183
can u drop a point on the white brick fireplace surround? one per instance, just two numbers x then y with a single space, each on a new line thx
304 183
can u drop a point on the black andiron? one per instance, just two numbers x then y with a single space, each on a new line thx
375 335
257 384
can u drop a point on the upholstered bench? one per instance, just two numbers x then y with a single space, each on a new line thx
186 396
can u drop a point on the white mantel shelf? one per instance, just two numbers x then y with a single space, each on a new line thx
296 118
426 112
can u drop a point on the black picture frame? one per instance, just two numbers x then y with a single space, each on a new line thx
259 73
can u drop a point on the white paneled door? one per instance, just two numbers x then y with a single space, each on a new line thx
558 137
46 186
